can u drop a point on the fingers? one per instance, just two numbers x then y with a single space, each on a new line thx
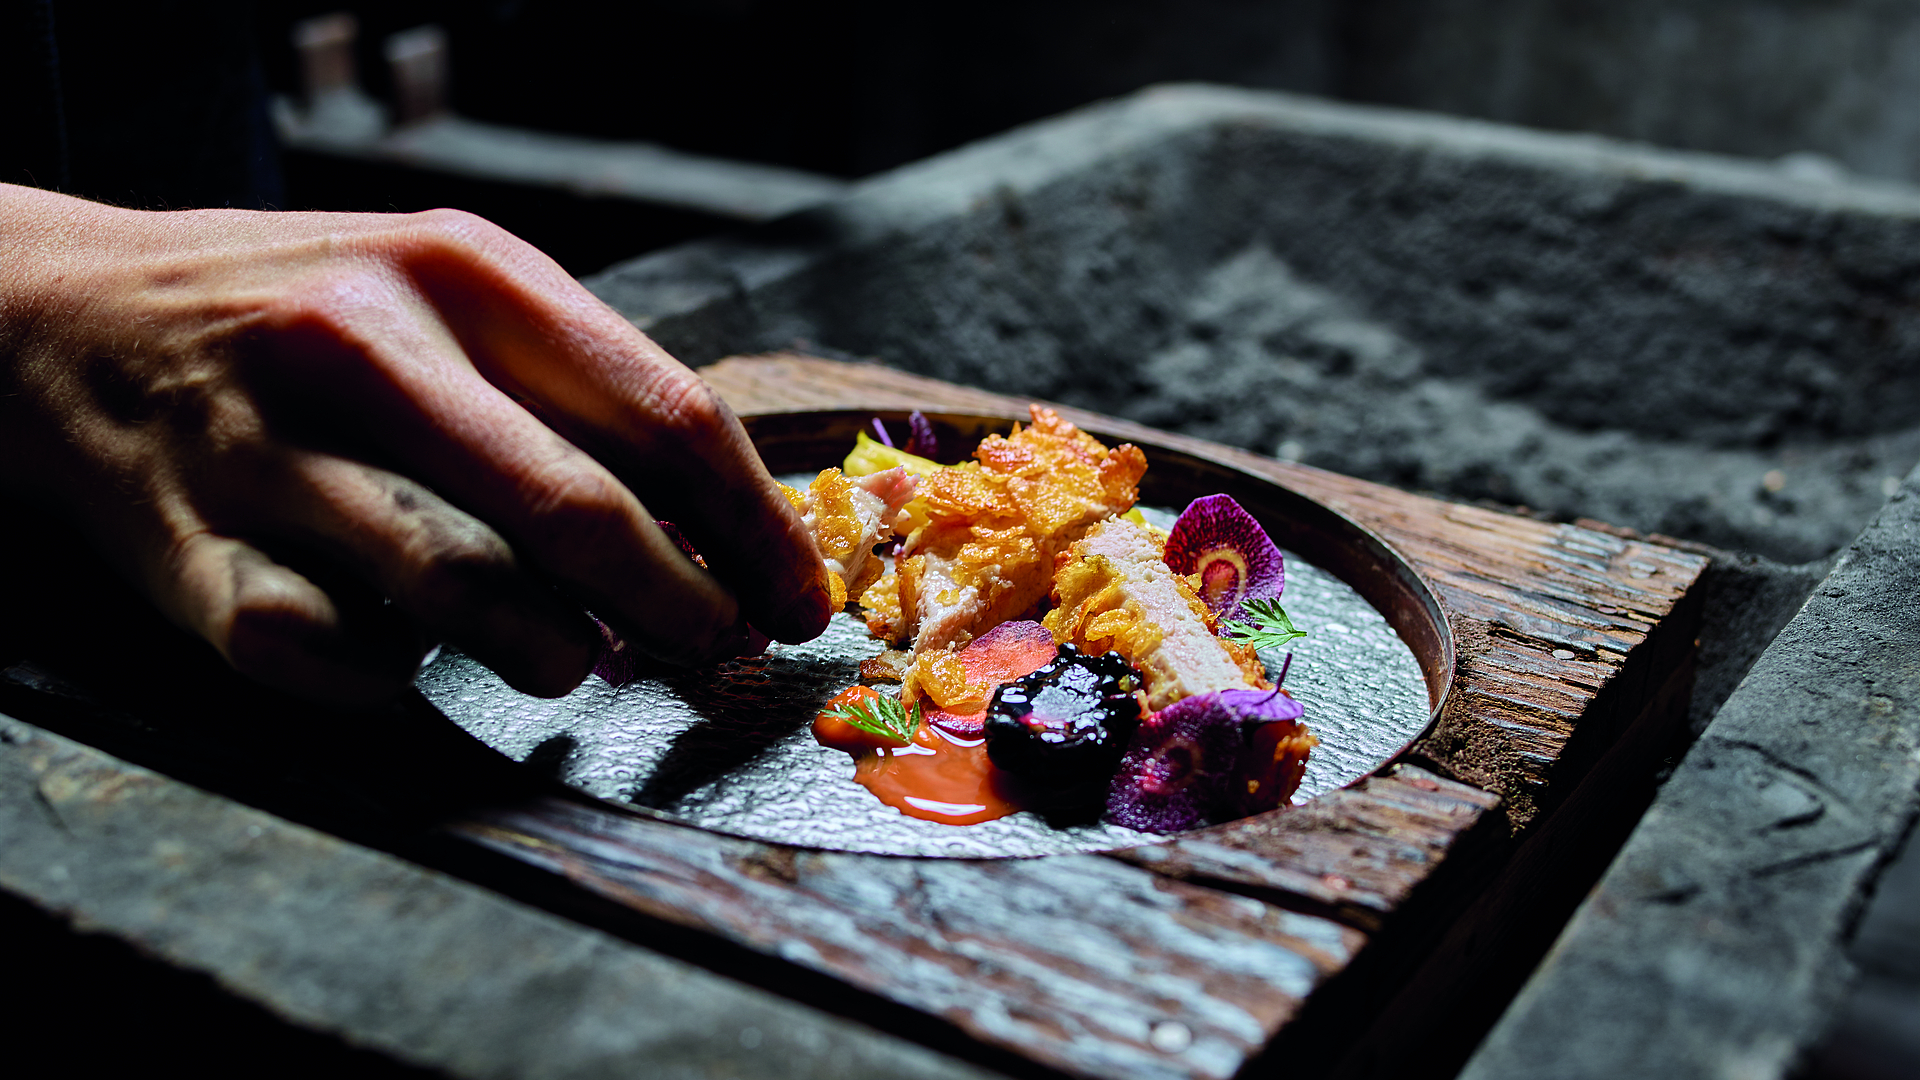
278 627
420 344
607 388
433 417
699 470
581 526
387 356
452 574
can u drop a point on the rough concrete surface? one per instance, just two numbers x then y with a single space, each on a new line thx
382 953
1682 344
1877 1033
1713 946
1765 78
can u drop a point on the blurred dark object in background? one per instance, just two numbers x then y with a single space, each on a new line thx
162 103
857 86
153 105
846 89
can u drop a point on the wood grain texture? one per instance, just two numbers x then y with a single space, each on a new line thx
1072 960
1357 853
1218 938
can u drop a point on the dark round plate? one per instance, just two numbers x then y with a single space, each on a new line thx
729 748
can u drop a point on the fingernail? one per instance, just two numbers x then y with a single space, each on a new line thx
736 641
803 618
746 642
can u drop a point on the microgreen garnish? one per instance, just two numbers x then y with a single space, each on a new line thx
880 715
1266 627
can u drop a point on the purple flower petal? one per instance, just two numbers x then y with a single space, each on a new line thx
1258 706
1180 770
1236 560
922 443
1174 775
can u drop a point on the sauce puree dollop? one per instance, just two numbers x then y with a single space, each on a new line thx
936 775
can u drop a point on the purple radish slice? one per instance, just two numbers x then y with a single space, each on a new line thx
1237 561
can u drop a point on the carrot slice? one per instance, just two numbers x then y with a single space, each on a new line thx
1012 650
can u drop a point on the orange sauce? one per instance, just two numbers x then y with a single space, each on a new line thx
937 776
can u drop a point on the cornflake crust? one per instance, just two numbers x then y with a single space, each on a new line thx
1115 591
994 527
847 518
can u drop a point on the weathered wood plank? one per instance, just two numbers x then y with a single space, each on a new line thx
1082 962
1360 852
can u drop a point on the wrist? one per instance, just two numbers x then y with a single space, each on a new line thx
47 243
45 239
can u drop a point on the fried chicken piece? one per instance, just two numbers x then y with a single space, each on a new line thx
994 527
847 517
1115 591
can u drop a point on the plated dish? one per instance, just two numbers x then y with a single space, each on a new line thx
732 748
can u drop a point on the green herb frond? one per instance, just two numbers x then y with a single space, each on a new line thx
1266 625
882 715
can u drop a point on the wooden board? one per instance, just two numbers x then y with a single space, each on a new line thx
1342 935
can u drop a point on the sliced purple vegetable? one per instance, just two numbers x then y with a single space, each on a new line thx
680 540
1175 773
616 662
922 442
619 663
1184 767
880 429
1216 538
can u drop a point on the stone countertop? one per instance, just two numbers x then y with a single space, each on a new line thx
336 938
1717 944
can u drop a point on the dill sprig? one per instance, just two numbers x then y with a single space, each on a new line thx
1266 625
880 715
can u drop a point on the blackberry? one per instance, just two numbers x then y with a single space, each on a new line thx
1066 723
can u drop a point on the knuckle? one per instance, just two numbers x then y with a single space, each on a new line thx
585 507
448 222
329 299
682 405
457 234
456 570
270 621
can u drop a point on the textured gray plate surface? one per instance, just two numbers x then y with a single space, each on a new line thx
731 748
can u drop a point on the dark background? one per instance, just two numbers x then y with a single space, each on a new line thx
851 88
855 87
846 89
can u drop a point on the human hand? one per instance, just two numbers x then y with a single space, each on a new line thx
325 441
